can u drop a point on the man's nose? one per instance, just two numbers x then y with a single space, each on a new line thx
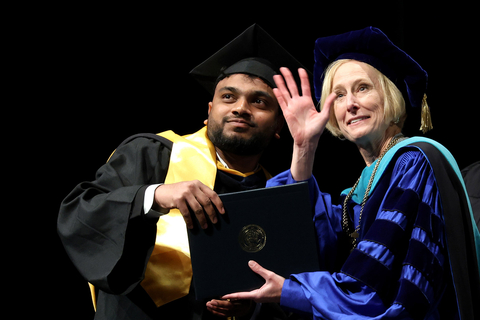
242 108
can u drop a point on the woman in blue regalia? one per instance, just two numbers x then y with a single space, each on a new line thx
400 244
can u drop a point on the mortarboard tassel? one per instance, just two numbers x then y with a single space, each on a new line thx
426 118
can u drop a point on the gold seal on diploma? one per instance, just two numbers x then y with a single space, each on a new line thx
252 238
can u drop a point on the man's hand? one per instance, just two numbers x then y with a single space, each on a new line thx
228 308
190 195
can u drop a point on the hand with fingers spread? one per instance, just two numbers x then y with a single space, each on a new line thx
189 196
269 292
305 123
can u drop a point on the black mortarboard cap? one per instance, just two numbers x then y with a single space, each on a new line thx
372 46
253 52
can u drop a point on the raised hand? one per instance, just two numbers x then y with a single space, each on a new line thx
305 123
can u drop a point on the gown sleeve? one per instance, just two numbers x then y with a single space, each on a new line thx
102 224
399 267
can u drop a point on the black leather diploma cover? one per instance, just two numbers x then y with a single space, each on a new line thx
272 226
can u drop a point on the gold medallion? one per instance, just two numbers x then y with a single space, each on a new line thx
252 238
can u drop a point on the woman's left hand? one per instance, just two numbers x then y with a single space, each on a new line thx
269 292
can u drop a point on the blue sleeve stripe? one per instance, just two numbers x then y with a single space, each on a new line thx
389 234
378 252
405 201
422 236
426 262
393 216
372 272
415 277
432 224
413 299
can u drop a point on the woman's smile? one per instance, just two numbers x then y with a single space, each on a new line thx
356 120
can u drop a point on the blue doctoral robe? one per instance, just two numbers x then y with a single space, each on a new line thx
416 255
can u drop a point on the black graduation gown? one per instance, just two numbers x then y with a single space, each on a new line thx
110 239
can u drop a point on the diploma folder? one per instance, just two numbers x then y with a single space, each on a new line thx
273 226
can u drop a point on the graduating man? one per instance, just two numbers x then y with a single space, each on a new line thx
126 230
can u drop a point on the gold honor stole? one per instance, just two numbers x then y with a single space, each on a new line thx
169 270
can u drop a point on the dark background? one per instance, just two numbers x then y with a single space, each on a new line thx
90 76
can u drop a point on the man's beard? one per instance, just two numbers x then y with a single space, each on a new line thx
254 145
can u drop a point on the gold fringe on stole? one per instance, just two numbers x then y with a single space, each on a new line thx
426 118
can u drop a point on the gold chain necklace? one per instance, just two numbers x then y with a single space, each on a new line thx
355 234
